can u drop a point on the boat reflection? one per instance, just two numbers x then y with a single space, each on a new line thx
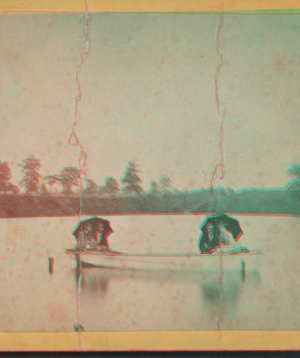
214 297
97 279
221 294
89 279
213 284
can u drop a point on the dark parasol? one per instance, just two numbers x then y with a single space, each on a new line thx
93 221
231 224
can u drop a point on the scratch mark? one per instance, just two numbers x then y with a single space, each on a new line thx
219 171
220 321
73 139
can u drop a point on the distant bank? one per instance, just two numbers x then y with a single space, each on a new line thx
248 201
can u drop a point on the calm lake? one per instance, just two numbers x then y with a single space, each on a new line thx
114 300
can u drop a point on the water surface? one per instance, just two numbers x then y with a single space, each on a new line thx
116 300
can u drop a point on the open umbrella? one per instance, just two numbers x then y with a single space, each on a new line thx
231 224
93 221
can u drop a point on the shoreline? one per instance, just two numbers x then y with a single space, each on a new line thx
252 202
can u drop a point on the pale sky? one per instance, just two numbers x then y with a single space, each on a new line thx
148 94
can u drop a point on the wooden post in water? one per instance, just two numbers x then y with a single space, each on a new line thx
50 264
77 261
243 270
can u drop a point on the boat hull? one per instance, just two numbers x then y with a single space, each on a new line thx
241 261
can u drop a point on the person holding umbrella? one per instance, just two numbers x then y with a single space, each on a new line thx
225 237
84 236
92 234
226 241
209 239
98 241
220 234
102 242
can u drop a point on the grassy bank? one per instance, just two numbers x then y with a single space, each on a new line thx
272 201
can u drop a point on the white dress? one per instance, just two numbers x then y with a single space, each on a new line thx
227 244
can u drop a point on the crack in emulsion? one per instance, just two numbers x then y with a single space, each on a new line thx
219 171
74 140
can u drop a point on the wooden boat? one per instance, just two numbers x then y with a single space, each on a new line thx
239 261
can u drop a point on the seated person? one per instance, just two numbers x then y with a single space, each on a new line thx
208 241
87 240
102 243
84 237
227 244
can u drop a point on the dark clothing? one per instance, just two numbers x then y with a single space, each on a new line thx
206 244
102 241
83 238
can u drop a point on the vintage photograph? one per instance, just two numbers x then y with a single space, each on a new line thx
149 172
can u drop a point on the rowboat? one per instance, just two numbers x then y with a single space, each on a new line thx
92 250
190 261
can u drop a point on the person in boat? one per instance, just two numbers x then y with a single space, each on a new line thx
226 242
225 237
102 243
209 239
85 237
97 241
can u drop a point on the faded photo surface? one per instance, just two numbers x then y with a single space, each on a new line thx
151 122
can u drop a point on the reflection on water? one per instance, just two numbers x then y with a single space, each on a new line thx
92 283
226 286
221 293
217 295
124 300
93 278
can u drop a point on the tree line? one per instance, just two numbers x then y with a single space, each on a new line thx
70 177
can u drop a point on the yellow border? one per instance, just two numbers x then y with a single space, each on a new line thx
73 6
152 341
129 341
